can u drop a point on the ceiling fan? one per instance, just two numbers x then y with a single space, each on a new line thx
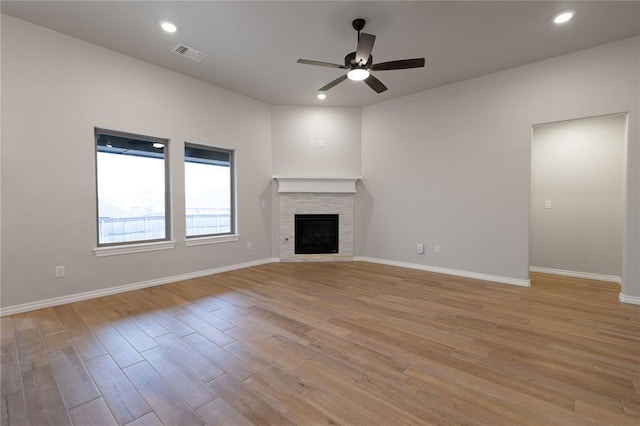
360 63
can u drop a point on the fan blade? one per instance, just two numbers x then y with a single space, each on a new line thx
321 64
333 83
375 84
402 64
365 45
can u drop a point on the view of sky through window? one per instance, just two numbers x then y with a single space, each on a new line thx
131 203
207 198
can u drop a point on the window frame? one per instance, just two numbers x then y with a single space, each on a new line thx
232 235
160 243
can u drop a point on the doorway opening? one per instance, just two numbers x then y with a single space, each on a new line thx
577 198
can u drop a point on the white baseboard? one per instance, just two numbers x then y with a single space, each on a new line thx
576 274
47 303
455 272
634 300
25 307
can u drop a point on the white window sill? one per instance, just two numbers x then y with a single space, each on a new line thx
214 239
133 248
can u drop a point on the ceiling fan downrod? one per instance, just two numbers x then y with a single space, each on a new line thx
358 25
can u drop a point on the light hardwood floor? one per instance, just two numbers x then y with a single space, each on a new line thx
328 343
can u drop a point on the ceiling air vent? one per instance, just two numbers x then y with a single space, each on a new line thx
188 52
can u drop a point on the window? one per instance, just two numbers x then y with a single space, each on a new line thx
209 191
132 187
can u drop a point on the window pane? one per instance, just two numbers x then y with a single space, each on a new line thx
131 190
208 183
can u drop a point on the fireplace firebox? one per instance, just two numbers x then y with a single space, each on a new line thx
316 233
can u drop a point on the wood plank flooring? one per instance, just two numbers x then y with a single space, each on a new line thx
347 343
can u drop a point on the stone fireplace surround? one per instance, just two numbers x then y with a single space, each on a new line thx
316 196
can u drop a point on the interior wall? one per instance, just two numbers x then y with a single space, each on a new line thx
313 142
55 89
576 195
451 166
316 141
0 169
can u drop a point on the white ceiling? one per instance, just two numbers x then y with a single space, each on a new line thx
253 46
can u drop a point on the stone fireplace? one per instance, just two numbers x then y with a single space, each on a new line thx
316 196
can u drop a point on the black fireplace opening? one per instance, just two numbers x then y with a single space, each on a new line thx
316 233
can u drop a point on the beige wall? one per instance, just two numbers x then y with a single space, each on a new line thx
55 89
578 167
293 128
451 166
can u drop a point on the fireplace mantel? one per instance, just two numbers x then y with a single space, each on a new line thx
338 185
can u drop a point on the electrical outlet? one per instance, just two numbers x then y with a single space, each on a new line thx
436 249
249 246
420 248
60 272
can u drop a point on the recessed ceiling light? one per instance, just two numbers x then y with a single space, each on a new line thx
322 96
358 74
168 27
563 17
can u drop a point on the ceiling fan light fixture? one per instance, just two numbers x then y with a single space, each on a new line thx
358 74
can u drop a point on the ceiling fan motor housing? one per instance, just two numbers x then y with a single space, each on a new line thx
350 61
